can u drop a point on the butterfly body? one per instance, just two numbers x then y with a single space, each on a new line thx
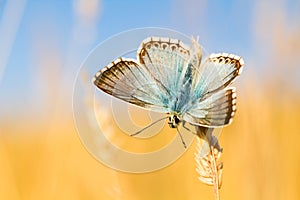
170 77
174 120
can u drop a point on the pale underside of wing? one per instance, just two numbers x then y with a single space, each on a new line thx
127 80
216 110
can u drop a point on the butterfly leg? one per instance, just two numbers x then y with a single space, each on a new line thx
188 129
181 138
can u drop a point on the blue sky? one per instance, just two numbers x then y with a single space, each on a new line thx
69 32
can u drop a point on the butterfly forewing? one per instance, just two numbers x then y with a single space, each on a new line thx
128 80
166 60
217 72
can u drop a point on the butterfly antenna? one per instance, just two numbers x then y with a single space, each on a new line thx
134 134
181 138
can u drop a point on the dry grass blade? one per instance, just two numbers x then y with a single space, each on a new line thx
207 159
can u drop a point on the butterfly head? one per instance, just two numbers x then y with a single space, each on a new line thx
174 121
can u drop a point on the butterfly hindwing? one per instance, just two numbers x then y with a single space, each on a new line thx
216 110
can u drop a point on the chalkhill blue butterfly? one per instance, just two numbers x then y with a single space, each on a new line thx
171 77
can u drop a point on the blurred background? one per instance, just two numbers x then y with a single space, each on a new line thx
42 45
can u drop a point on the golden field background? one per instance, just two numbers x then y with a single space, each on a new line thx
41 156
46 160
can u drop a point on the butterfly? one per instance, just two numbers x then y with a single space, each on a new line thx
170 77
